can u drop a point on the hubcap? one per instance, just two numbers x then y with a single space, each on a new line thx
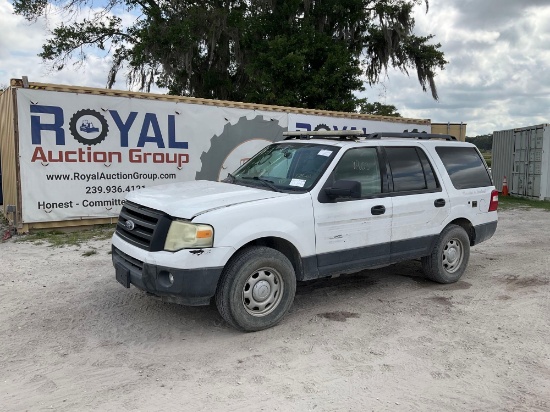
262 291
453 255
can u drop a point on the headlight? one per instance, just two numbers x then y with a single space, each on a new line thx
185 235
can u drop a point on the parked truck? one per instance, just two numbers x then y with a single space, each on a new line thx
70 154
314 205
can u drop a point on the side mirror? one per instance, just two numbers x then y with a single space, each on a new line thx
344 188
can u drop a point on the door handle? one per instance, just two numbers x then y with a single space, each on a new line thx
439 202
378 210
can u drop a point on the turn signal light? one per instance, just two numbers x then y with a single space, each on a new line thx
204 234
493 204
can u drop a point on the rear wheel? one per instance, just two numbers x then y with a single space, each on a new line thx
450 256
256 289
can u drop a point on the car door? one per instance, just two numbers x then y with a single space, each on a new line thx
352 234
420 206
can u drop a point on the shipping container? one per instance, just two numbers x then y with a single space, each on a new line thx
70 154
458 130
523 156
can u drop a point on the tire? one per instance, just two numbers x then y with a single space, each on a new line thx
450 256
256 289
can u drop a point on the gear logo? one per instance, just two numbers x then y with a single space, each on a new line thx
322 126
88 127
231 148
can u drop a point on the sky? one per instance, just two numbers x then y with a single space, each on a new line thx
497 78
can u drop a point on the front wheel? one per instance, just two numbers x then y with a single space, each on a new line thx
450 256
256 289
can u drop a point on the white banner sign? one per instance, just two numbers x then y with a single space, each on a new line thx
81 154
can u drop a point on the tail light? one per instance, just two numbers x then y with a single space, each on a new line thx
493 204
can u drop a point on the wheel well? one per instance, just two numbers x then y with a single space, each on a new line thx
283 246
468 227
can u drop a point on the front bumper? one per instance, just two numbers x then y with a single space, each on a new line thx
190 286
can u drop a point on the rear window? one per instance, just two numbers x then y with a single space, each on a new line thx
464 166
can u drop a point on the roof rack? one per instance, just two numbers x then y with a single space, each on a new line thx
357 134
411 135
325 134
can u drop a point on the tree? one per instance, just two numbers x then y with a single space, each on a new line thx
303 53
483 142
378 109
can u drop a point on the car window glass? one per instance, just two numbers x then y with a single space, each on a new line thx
464 166
362 166
287 166
406 169
431 179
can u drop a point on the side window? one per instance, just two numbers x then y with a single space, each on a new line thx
410 169
431 179
464 166
361 165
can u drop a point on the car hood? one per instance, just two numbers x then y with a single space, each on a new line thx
189 199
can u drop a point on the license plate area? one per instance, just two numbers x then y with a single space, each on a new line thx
122 276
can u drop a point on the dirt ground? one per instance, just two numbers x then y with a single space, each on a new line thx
73 339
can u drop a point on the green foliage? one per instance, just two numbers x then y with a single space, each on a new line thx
3 219
512 202
483 142
302 53
57 238
378 109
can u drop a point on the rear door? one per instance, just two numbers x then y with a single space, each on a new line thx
354 233
420 206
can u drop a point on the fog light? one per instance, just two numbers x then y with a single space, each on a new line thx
165 279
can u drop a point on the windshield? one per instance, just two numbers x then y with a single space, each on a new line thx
285 167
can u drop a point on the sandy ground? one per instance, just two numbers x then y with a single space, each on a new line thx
73 339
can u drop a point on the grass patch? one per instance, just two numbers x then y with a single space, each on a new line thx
58 238
3 219
511 202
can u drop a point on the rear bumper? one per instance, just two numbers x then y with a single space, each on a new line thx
484 232
190 286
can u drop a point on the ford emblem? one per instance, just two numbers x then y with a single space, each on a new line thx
130 225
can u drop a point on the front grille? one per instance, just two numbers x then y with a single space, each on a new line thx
150 226
129 260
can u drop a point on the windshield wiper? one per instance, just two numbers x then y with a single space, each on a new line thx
229 179
265 182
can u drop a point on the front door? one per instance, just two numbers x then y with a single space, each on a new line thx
352 234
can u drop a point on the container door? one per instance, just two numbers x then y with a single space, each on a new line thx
520 163
535 162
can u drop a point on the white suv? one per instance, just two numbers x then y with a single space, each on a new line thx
314 205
